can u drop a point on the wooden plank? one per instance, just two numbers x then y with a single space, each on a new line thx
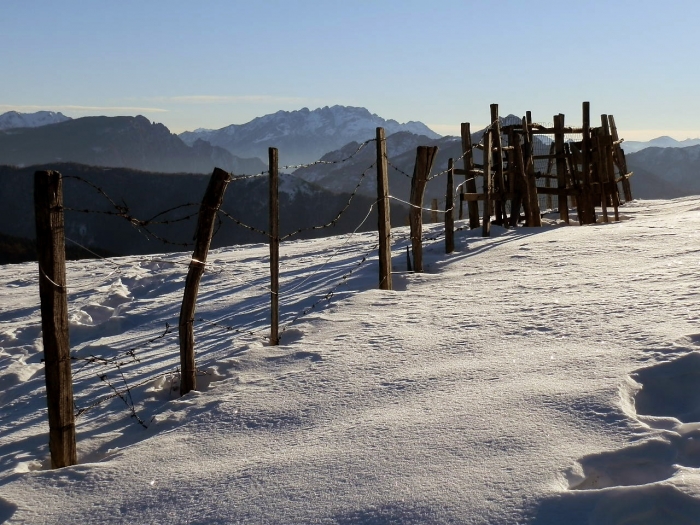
470 172
551 131
383 213
51 254
449 209
425 156
274 209
561 167
211 202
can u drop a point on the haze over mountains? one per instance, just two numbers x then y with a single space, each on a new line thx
120 142
632 146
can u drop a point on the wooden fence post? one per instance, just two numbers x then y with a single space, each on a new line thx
434 211
274 246
468 159
548 181
563 201
383 209
449 208
621 161
51 248
488 186
211 202
588 205
425 156
600 165
497 160
529 165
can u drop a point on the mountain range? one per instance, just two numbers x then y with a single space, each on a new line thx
123 142
632 146
303 136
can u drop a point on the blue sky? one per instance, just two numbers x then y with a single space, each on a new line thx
212 63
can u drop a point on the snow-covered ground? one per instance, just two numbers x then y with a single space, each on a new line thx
538 376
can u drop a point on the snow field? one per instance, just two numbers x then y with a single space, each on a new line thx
537 376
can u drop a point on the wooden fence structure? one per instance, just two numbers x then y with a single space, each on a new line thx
586 171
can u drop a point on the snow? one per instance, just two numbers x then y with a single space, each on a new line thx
538 376
14 119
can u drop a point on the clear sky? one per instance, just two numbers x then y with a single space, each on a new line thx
191 64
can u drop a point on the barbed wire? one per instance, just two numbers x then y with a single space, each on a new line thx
340 161
331 292
244 225
337 250
335 220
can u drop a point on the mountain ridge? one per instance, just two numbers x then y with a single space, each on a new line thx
303 135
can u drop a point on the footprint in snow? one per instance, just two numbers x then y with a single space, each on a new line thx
665 397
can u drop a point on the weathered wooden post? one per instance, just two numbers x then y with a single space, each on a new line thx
449 208
51 251
529 166
587 191
561 167
621 161
614 190
383 208
213 197
273 156
425 156
600 168
488 186
434 211
548 180
497 160
468 159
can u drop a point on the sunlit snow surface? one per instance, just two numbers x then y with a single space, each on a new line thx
538 376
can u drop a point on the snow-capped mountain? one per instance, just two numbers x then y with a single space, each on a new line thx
665 173
632 146
14 119
304 135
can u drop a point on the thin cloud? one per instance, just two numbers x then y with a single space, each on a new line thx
80 109
230 99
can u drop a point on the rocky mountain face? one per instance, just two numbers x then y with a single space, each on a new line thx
302 136
14 119
665 173
148 194
131 142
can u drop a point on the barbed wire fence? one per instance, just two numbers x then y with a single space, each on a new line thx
121 370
